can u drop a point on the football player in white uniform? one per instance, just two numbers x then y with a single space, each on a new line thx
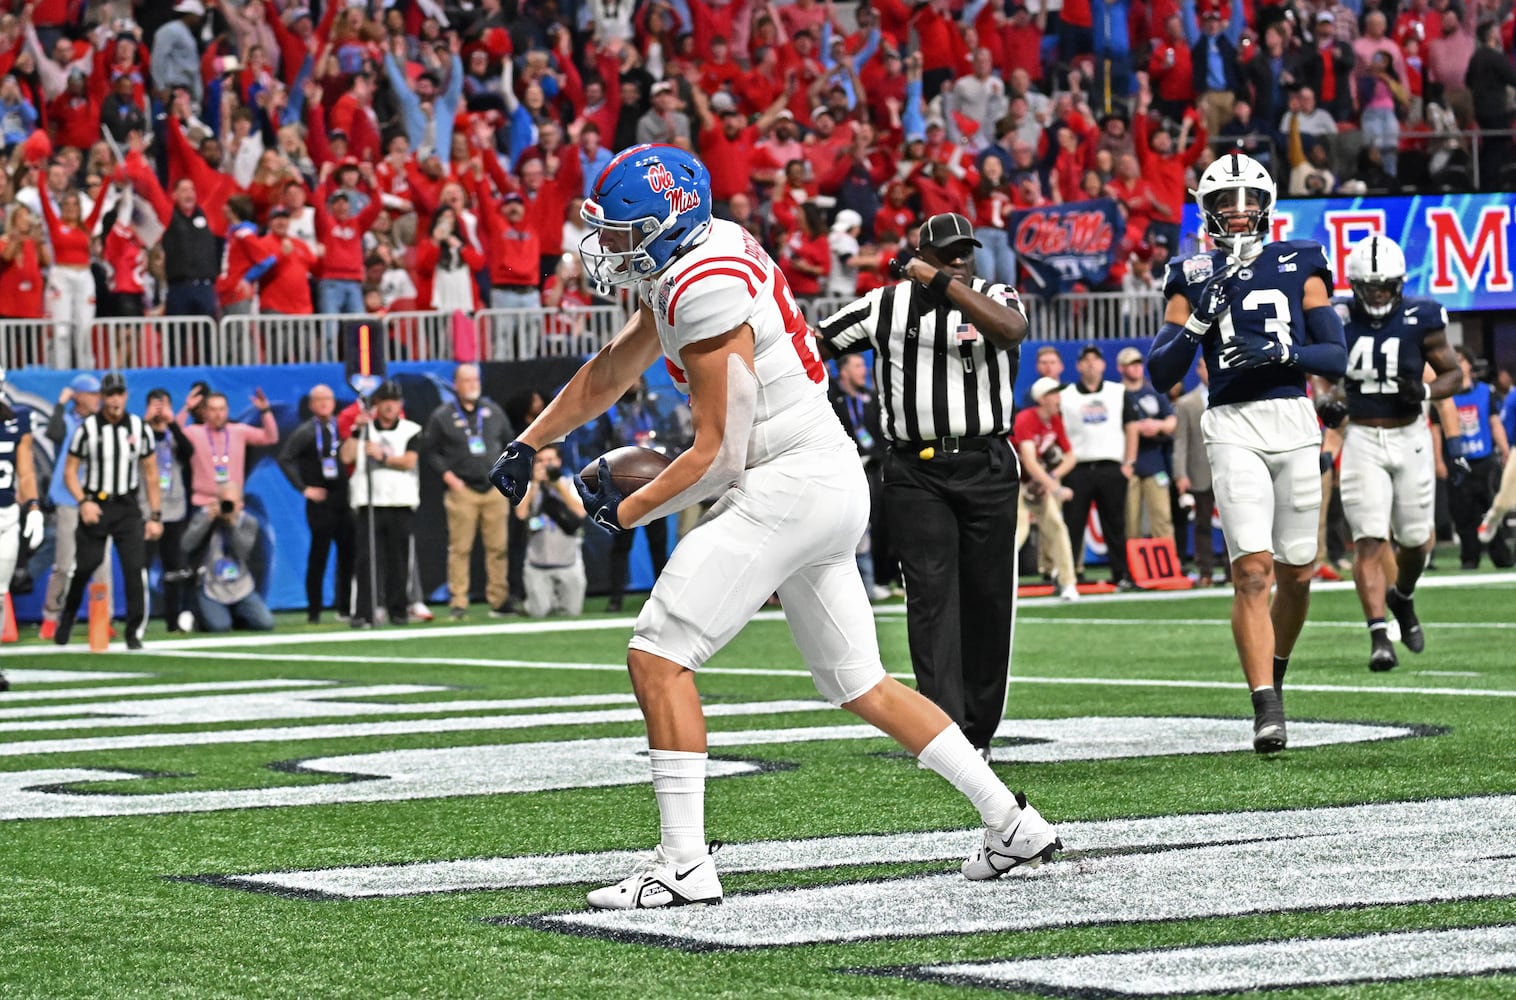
1388 466
1262 313
20 515
793 504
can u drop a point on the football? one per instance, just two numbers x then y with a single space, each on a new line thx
631 468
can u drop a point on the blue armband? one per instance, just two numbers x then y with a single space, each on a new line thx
1172 354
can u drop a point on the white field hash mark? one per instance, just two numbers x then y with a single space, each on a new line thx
1243 968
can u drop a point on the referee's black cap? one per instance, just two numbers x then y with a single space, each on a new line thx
947 229
112 382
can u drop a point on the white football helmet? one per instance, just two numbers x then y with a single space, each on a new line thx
1376 273
1235 197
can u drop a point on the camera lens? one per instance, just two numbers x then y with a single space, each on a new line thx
227 506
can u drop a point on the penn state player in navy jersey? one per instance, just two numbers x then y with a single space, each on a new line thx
1388 468
19 513
1262 314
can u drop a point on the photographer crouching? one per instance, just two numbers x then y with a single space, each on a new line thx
552 514
219 542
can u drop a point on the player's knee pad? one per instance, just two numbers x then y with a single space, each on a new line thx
847 682
1297 551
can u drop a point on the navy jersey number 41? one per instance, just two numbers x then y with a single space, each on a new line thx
1267 301
1383 351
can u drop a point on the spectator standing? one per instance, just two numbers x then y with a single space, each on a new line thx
1192 472
1046 457
1450 55
84 393
287 285
220 446
551 514
1217 77
220 539
514 252
979 97
1474 461
1092 418
176 54
115 452
384 451
1489 75
310 463
664 123
23 255
462 439
1171 71
248 258
70 285
340 232
1149 423
857 407
173 451
1329 69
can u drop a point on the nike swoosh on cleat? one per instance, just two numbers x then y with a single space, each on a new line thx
679 876
1288 257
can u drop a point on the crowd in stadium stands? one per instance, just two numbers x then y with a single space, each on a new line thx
225 157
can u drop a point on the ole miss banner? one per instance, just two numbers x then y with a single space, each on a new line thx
1458 247
1063 244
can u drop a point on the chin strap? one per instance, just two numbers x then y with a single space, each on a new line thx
731 459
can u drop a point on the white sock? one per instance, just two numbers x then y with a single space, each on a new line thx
951 755
679 784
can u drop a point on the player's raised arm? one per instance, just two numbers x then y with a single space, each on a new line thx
723 395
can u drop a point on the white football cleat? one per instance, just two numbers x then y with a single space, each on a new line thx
1487 528
661 882
1069 593
1028 842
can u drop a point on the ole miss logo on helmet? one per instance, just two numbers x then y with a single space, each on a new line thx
662 182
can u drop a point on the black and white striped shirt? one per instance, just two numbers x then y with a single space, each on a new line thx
937 375
113 454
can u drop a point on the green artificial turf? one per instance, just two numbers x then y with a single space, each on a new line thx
96 907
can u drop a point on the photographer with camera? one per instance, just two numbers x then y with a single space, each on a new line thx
219 542
552 513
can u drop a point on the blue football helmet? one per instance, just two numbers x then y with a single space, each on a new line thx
652 203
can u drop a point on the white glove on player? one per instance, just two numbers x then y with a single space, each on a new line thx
31 529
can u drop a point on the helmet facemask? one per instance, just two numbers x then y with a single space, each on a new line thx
1237 219
615 252
1379 297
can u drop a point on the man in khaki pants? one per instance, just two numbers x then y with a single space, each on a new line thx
1149 422
463 437
1046 456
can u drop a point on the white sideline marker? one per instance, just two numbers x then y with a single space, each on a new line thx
1243 968
25 676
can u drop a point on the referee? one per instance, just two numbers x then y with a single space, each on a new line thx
946 347
118 450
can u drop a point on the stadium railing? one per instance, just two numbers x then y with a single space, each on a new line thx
489 335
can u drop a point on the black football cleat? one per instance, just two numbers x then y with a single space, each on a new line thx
1268 721
1404 610
1382 657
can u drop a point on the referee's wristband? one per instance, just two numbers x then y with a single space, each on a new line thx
940 282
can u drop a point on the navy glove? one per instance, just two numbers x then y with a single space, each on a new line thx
1248 350
512 471
1215 298
1411 389
601 504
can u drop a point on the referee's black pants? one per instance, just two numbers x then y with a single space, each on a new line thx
952 521
120 522
392 542
330 522
1102 484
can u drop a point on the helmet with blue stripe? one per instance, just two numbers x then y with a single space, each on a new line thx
652 203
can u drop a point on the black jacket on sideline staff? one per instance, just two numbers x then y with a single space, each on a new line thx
447 438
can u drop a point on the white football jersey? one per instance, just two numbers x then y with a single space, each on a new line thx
727 281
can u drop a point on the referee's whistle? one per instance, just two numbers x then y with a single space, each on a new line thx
927 454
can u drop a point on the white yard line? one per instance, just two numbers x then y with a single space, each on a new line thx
559 625
619 668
